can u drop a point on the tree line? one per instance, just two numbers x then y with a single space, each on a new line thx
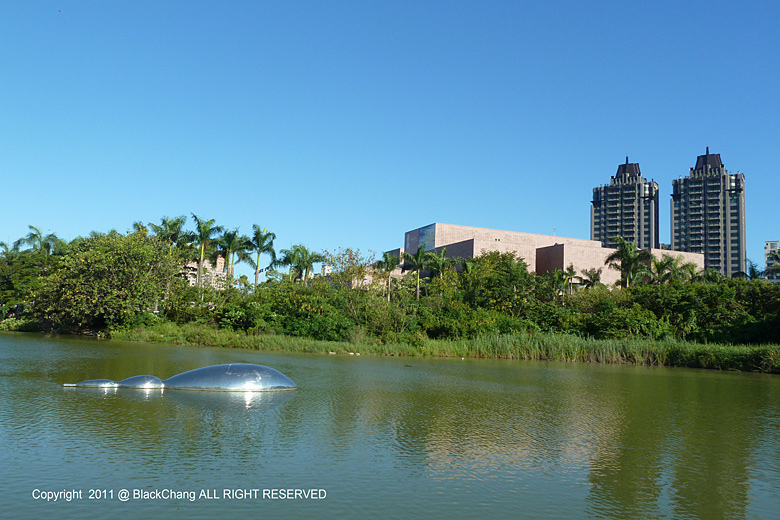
111 281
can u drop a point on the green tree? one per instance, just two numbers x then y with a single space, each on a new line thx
569 275
590 277
171 229
386 266
140 227
205 232
349 267
773 263
234 248
665 269
39 242
306 260
437 263
709 275
753 272
300 260
107 281
628 260
416 263
262 243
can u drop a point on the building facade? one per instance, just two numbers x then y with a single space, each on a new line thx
708 214
626 207
771 246
542 253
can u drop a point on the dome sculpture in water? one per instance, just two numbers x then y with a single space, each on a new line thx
234 377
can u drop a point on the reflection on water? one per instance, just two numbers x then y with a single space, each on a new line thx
388 437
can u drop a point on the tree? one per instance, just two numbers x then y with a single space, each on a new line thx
106 281
773 263
753 272
628 260
39 242
4 249
288 259
234 248
140 227
205 232
306 260
415 263
262 243
590 277
709 275
437 263
300 260
171 229
387 265
569 275
348 267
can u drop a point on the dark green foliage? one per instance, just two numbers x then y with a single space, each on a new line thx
106 281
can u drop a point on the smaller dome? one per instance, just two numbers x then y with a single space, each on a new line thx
141 382
95 383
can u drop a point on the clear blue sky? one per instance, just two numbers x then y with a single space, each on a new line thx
346 124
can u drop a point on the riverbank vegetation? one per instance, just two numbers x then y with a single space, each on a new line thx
134 286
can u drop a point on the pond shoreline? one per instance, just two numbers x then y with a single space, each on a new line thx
536 346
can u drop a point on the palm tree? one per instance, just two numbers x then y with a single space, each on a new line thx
39 242
139 226
307 259
387 265
233 247
262 242
590 277
415 263
753 272
569 274
559 282
205 232
437 263
288 259
709 275
172 230
300 260
5 249
772 263
628 260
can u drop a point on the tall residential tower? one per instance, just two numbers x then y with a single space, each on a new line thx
627 207
708 214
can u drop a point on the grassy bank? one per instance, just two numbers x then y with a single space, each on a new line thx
553 347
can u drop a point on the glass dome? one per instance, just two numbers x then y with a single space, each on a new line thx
233 377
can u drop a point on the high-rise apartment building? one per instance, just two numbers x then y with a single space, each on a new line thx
708 214
770 247
626 207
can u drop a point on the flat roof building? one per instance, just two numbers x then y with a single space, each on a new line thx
542 253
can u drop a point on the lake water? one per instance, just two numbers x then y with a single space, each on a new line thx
381 438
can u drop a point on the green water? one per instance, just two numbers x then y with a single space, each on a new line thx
382 438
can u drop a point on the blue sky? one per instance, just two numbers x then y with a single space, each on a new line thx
346 124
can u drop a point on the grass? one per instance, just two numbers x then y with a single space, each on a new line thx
546 346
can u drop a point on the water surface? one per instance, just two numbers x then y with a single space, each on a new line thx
384 437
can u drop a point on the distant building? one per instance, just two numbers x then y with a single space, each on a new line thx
542 253
769 247
626 207
708 214
213 276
